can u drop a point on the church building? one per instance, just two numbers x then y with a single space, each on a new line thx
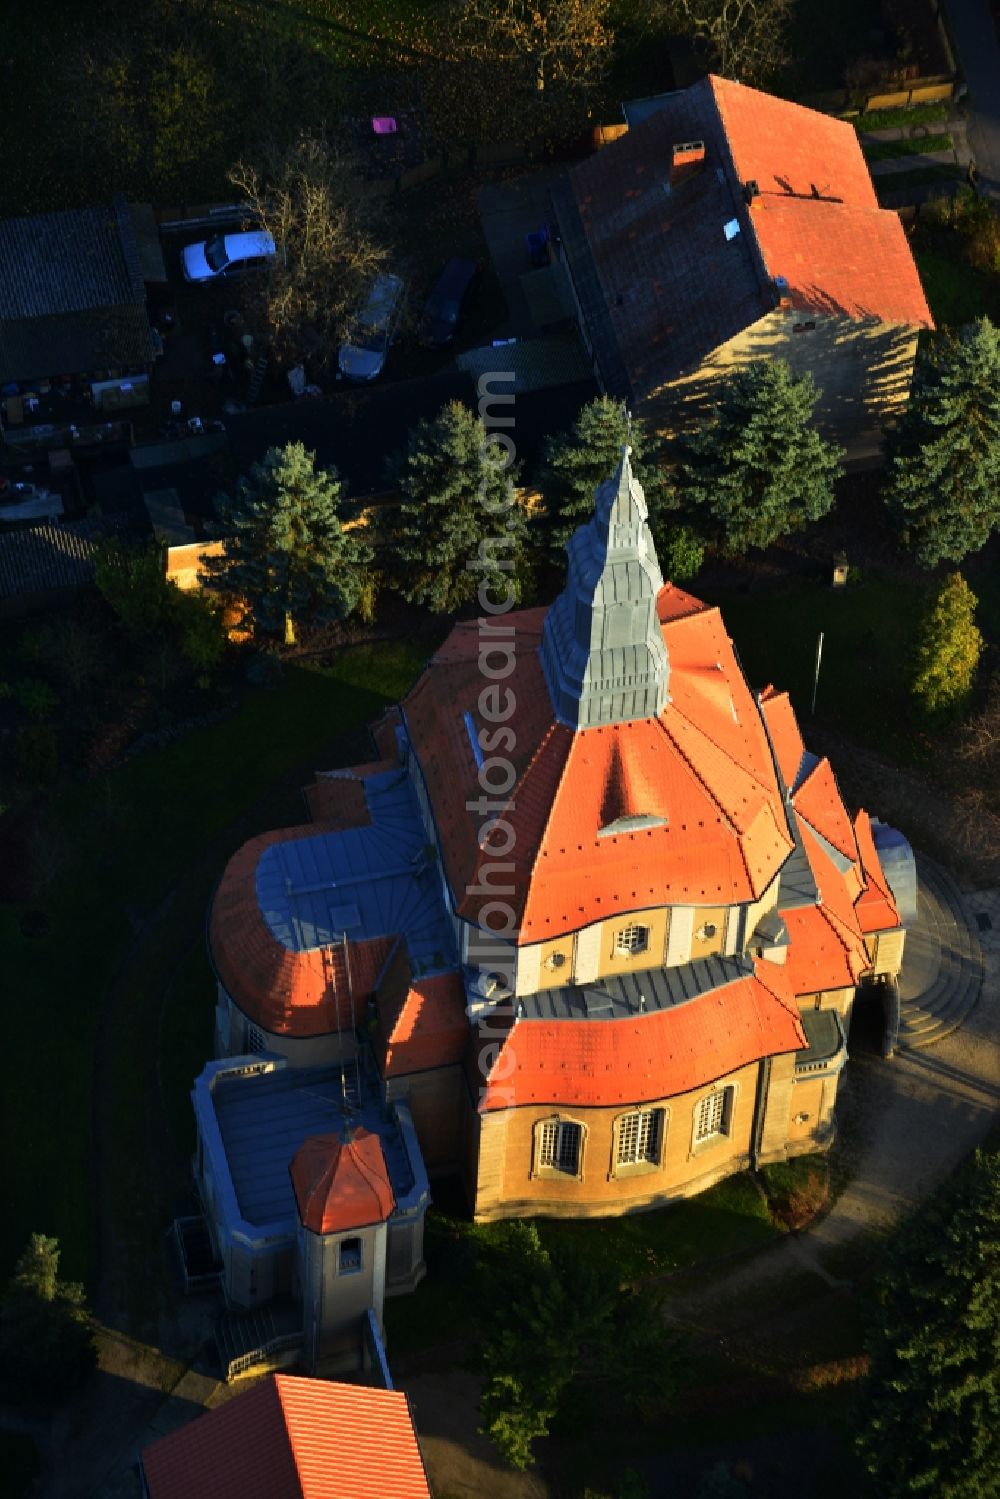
588 931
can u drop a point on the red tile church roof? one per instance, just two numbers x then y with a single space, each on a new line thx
702 772
595 1063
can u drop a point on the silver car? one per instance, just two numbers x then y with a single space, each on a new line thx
362 357
227 255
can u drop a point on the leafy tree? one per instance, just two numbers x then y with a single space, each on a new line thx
948 649
566 1321
561 41
286 555
944 485
759 468
459 523
928 1413
323 218
46 1341
133 581
575 462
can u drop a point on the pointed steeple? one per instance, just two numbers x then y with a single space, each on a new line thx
602 649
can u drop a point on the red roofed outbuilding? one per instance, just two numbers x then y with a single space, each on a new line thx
293 1438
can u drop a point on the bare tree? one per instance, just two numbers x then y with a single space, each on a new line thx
746 39
313 203
561 41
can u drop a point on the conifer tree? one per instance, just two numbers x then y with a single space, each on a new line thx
758 469
459 523
575 462
286 555
948 649
944 485
46 1342
929 1412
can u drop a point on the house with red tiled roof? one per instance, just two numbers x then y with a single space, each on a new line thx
292 1438
619 915
727 225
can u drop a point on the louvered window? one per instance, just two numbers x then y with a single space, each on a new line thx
256 1040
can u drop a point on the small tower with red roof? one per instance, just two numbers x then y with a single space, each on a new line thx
345 1199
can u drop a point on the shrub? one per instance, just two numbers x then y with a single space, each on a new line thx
948 649
681 552
796 1190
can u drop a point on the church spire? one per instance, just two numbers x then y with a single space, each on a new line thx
602 649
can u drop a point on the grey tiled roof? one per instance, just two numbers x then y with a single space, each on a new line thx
71 293
38 558
659 283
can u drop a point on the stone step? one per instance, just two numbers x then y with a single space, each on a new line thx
920 1029
916 1019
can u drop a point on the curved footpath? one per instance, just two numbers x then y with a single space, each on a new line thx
908 1122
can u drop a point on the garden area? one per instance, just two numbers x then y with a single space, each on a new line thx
164 110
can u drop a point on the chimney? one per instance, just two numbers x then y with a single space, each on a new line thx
687 160
751 191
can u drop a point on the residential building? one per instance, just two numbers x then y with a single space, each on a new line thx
727 225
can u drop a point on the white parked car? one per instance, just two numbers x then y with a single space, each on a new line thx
362 357
226 255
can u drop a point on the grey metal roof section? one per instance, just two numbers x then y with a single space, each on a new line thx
638 110
839 860
899 867
589 291
263 1119
796 882
602 649
71 293
382 879
805 769
825 1038
634 993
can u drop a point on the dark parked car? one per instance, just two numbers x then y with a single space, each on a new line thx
443 307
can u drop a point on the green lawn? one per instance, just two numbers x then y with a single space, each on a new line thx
890 150
900 119
132 834
729 1219
867 635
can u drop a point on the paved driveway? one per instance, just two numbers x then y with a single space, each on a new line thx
979 53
